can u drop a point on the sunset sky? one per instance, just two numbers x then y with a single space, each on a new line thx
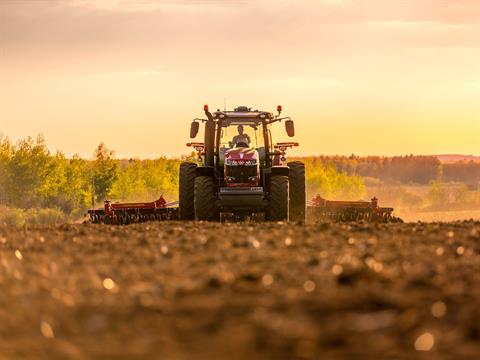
365 77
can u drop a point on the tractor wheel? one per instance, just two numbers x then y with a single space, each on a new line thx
186 191
205 198
278 204
298 195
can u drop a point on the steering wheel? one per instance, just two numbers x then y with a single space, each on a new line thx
242 144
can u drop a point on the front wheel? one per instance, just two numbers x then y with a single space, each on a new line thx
297 191
186 185
278 204
205 198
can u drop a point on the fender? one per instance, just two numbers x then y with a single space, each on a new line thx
280 170
204 171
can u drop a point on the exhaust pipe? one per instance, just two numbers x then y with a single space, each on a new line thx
209 139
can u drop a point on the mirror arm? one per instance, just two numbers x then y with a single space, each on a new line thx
279 119
198 119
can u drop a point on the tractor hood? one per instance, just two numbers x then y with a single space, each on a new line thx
242 168
241 155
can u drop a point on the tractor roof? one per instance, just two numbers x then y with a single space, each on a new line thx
242 114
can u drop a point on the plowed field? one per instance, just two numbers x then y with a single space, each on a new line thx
241 291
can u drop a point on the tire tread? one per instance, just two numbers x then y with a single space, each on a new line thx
297 191
186 207
278 204
205 199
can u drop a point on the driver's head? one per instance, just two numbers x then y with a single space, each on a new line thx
240 129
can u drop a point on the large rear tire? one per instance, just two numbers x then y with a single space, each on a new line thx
278 204
205 198
186 207
298 193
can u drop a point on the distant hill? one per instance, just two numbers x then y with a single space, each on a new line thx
453 158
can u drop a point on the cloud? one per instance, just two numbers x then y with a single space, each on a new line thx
126 5
135 73
142 6
301 82
420 25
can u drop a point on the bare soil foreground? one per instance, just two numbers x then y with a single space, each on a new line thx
241 291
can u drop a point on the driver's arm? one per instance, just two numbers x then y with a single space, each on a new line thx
249 140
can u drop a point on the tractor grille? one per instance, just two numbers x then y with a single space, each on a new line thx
241 174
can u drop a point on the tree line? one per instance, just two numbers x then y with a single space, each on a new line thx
410 169
33 177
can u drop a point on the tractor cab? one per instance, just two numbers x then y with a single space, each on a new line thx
241 152
241 170
237 136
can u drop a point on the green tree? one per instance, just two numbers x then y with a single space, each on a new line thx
75 189
29 173
130 184
6 154
105 171
325 179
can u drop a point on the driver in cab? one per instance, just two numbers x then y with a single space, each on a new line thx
241 138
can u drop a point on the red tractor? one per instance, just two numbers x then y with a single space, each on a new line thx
242 173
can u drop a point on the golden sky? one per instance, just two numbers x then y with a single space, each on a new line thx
361 76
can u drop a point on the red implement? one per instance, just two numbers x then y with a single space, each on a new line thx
322 209
127 213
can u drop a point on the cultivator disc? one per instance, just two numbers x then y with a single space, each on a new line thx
320 209
131 213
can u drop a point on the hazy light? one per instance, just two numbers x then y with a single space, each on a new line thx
108 284
267 280
18 254
439 309
337 269
203 239
460 250
46 330
255 243
288 241
440 251
378 266
164 249
374 264
425 342
309 286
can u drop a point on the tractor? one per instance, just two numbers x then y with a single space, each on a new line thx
240 172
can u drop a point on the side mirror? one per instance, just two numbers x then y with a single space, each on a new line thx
194 129
290 128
